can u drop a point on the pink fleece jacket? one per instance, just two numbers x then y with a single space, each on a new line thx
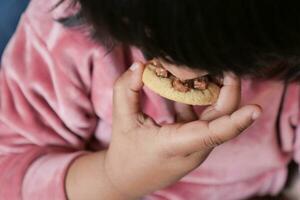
56 103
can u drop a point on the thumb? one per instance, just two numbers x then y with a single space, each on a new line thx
126 93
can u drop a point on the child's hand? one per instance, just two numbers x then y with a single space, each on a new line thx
144 157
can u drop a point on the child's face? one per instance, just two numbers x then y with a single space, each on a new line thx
183 72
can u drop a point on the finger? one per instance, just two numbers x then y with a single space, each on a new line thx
146 121
228 100
200 135
126 94
184 113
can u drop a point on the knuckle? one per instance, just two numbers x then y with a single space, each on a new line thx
239 126
212 141
141 119
217 140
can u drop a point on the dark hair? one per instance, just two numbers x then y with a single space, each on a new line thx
260 38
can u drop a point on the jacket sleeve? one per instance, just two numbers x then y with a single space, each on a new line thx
46 116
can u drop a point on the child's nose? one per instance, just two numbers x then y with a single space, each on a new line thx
183 72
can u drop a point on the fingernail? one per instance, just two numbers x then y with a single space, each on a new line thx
134 66
255 115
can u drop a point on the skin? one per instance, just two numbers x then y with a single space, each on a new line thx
182 72
143 156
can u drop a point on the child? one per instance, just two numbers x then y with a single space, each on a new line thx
76 123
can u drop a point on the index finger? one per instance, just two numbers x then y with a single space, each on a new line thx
202 135
228 100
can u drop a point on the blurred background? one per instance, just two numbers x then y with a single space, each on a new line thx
10 12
